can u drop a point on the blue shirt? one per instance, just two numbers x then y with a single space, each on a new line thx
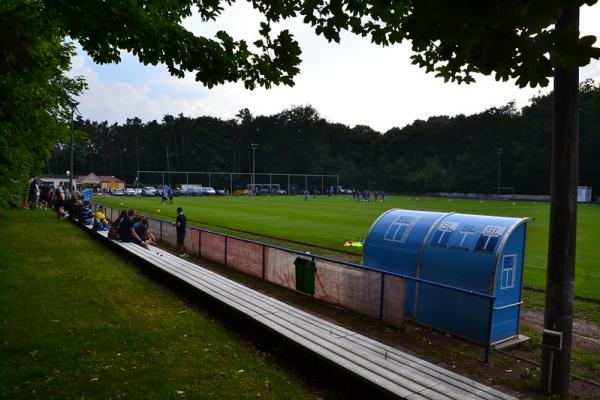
86 215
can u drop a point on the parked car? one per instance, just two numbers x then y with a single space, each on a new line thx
129 192
188 192
341 190
117 192
138 191
148 191
278 191
207 191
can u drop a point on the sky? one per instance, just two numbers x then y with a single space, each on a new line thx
354 82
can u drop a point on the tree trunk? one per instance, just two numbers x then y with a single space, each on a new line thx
558 312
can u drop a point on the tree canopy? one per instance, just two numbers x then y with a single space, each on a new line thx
440 154
514 39
510 39
35 94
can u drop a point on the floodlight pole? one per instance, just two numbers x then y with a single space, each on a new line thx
499 150
253 146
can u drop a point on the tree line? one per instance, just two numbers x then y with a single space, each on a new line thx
458 154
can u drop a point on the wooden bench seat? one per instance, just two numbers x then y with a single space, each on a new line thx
391 369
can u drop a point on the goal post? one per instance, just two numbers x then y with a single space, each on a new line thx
290 182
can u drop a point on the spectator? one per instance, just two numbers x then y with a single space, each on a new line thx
34 194
50 199
44 197
180 226
86 215
59 195
144 232
72 207
126 231
104 223
113 233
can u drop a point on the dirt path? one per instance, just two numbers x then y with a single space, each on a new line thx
585 334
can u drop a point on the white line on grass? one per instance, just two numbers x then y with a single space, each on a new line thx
576 273
253 218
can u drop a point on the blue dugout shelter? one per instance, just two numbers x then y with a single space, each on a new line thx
482 254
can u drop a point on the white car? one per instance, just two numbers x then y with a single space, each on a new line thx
129 192
148 191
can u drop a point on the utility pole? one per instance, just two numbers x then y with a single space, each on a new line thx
253 146
558 309
499 150
73 107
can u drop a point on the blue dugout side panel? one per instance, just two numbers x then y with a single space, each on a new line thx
483 254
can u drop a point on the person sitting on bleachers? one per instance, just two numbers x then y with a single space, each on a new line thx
103 223
86 215
72 208
144 232
126 231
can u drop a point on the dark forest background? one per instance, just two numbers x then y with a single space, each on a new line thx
456 154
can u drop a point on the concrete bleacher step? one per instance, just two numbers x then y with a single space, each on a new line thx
393 370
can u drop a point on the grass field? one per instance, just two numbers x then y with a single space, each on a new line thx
329 222
78 320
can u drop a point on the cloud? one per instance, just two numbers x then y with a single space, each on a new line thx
354 82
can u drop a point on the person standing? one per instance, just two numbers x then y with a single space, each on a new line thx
163 195
170 195
34 194
44 197
60 196
180 226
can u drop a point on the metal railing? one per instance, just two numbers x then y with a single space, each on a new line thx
165 225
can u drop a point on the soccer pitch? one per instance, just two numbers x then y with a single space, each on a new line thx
329 222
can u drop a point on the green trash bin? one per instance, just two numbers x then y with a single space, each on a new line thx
305 275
